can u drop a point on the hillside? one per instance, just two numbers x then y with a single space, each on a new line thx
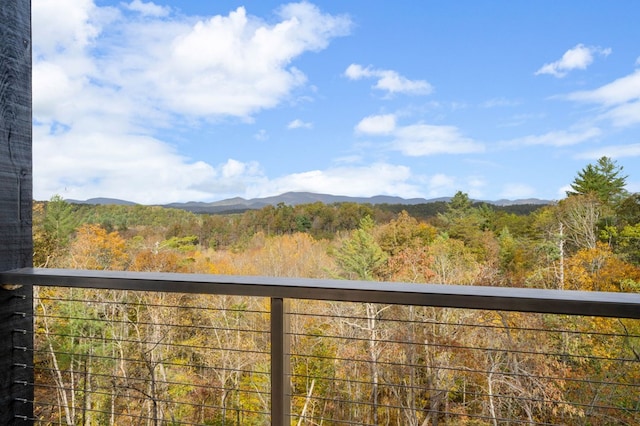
239 204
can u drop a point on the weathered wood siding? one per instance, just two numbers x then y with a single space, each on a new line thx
16 243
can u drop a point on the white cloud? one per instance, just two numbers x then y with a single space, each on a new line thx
423 139
149 8
418 140
237 65
261 135
613 151
499 102
365 181
558 138
624 115
562 191
104 81
579 57
517 190
84 165
63 25
226 65
377 124
621 97
389 80
619 91
442 185
299 124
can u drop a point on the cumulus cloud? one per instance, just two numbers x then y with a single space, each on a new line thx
66 26
423 139
236 64
364 181
579 57
420 139
106 80
120 166
225 65
299 124
388 80
377 124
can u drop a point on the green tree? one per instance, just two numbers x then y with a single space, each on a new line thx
460 205
59 221
604 179
360 256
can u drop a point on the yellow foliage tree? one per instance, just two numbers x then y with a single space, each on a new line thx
95 248
599 269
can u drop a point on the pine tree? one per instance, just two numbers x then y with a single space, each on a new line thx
604 180
360 257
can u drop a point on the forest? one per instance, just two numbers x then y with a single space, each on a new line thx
589 240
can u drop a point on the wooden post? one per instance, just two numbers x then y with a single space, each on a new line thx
16 242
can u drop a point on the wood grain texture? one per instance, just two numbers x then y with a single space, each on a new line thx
16 244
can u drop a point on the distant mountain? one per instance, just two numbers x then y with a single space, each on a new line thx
238 204
529 201
294 198
101 201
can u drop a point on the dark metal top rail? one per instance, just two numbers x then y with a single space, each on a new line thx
621 305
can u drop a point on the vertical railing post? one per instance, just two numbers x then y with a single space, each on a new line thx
16 242
280 363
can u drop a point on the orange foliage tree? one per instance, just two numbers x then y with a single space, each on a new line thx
95 248
599 269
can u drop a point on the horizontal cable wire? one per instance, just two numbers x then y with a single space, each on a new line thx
145 380
462 324
145 305
103 313
466 393
142 396
134 360
341 366
152 344
474 348
469 370
114 376
132 416
506 420
179 326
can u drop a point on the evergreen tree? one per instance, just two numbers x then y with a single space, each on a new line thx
360 257
59 221
460 205
604 179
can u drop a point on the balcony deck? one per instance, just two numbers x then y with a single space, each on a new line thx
391 352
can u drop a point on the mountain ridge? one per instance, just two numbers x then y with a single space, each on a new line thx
294 198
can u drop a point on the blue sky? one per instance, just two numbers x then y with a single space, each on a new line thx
168 101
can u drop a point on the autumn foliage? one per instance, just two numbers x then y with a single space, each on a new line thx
478 367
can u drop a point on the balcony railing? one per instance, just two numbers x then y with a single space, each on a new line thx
159 348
